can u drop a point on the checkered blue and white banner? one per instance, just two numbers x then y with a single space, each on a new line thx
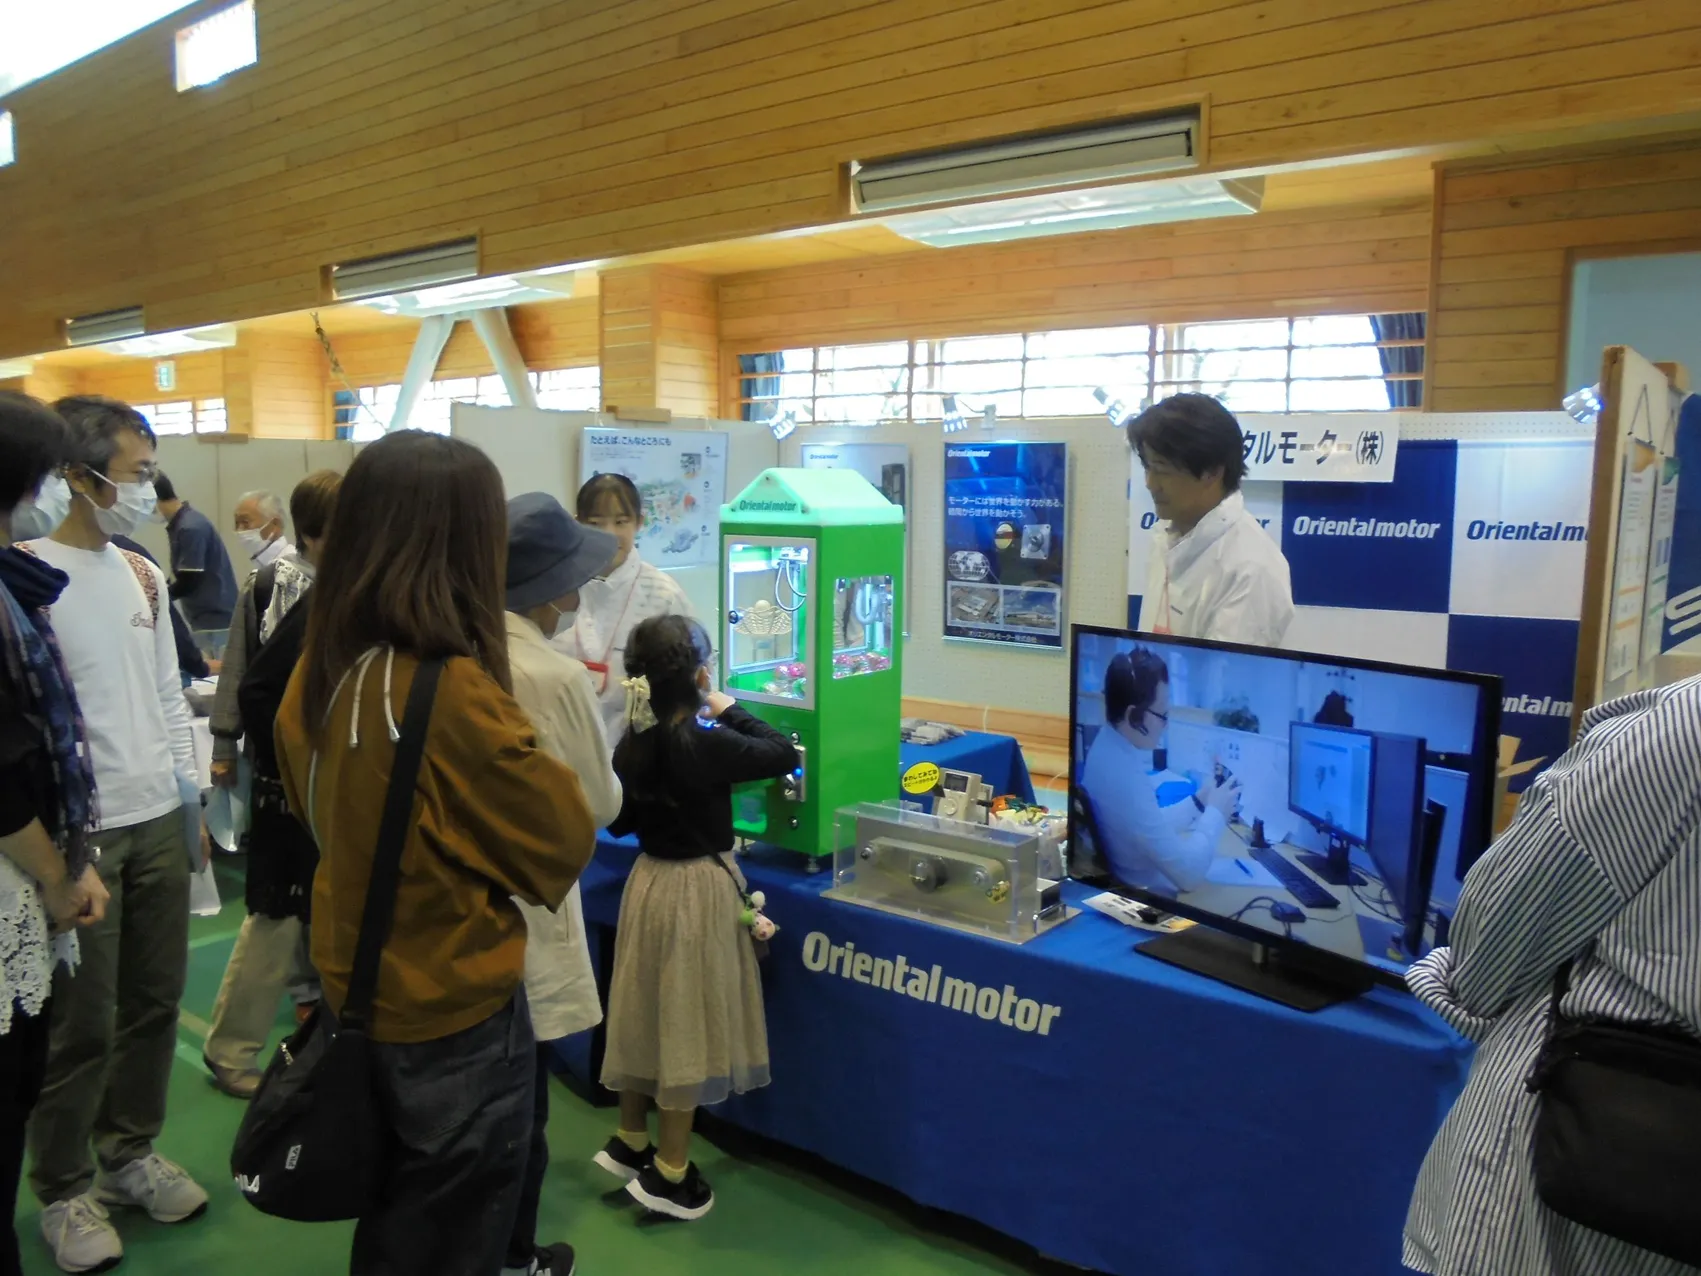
1471 559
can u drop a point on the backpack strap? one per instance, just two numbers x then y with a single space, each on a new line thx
145 578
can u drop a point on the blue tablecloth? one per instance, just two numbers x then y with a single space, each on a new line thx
997 759
1164 1125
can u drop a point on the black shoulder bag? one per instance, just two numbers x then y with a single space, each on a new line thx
311 1147
1618 1129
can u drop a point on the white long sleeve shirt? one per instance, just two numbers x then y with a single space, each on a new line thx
1225 580
123 662
609 610
559 696
1162 849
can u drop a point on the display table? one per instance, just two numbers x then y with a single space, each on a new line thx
1148 1120
997 759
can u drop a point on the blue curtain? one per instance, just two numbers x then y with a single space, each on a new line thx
1401 359
762 386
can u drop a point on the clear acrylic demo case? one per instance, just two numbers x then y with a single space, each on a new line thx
965 876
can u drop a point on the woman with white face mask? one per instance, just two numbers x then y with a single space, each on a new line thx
550 558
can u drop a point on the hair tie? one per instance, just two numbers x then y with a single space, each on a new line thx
638 709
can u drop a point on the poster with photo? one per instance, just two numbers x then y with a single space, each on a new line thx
1006 527
887 467
681 476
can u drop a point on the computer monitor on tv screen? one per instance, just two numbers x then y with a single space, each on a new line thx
1295 800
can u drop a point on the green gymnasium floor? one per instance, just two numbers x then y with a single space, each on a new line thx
777 1213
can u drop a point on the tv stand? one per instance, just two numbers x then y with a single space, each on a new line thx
1333 867
1281 976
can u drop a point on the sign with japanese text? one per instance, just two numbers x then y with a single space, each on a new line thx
1006 524
1321 447
681 479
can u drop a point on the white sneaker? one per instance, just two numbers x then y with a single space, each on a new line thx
81 1238
156 1185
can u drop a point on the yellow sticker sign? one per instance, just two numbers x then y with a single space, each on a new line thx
923 777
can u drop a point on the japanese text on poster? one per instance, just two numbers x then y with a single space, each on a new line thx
681 477
1006 524
1324 447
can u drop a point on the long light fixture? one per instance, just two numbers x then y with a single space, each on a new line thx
1072 157
163 345
1079 211
416 269
477 294
108 325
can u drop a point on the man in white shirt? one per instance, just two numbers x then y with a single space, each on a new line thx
1214 571
259 525
114 1028
1168 850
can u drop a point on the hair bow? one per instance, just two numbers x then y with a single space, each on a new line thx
638 710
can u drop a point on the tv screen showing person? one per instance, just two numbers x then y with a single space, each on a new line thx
1207 781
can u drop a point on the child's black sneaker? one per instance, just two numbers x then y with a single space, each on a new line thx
688 1200
621 1161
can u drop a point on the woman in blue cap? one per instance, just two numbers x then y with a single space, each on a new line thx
550 557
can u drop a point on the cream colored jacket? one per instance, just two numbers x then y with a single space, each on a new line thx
559 697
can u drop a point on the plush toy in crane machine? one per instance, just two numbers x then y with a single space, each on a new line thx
812 568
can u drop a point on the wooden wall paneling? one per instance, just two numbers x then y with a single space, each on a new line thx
660 340
199 376
1508 233
578 132
1369 259
48 382
288 376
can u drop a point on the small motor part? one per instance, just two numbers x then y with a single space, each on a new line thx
927 872
998 892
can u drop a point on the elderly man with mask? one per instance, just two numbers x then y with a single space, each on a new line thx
260 527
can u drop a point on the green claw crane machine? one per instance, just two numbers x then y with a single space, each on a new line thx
812 568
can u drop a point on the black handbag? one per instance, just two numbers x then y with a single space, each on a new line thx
311 1147
1618 1129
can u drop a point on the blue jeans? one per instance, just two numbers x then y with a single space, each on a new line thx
459 1112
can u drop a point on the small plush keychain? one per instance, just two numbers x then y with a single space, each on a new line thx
761 928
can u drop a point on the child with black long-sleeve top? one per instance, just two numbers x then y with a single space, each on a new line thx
685 1020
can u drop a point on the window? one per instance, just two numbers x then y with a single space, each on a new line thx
365 414
212 48
1335 363
38 39
201 416
8 147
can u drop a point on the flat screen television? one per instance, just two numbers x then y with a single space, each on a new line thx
1313 813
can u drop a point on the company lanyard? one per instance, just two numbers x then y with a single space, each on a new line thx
602 667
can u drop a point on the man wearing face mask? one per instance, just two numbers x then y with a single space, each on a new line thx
1167 849
114 1028
550 558
203 584
260 527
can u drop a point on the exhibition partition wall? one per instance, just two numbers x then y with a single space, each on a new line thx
212 476
1470 559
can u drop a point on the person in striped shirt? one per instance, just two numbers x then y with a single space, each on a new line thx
1602 867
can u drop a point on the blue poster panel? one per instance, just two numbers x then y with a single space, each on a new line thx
1006 522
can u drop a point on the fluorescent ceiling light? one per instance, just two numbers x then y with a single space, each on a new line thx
1102 153
16 368
1076 212
163 345
478 294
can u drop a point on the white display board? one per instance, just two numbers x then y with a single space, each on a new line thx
539 451
887 467
681 479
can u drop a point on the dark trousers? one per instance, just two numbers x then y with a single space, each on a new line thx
459 1111
115 1023
524 1246
23 1067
